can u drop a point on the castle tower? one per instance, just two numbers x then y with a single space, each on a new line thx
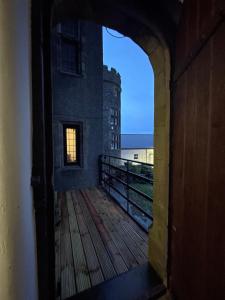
111 111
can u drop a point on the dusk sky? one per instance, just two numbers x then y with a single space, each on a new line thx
136 72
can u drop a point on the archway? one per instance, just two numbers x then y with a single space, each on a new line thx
152 41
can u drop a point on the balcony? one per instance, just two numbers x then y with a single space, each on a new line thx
130 184
101 233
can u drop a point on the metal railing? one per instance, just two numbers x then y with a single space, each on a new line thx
130 183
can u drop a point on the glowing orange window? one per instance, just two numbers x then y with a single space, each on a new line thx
71 145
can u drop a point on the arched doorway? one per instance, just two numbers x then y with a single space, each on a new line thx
151 40
154 32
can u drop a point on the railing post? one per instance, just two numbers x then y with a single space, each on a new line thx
126 180
100 169
109 173
128 187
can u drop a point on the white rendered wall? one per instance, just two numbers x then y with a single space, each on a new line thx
18 279
144 155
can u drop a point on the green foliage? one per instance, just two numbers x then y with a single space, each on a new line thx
144 203
141 169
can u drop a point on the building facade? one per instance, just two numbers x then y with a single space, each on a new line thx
86 104
77 103
138 147
111 111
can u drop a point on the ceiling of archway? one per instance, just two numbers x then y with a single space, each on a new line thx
133 18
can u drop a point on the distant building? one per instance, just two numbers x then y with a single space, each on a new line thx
111 111
138 147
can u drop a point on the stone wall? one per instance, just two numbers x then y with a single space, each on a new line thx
111 111
77 99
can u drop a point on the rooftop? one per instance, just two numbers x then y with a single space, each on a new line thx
137 141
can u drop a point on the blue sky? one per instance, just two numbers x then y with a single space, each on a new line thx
137 99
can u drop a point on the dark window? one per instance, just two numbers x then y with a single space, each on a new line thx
135 156
114 117
69 57
116 120
113 141
71 134
70 48
116 92
70 29
116 142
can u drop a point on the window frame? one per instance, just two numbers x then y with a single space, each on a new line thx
78 145
135 155
74 41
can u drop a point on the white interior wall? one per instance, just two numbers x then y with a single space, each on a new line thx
17 227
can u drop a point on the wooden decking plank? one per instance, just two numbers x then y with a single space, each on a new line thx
80 265
139 255
123 224
104 259
114 253
131 244
137 233
91 257
128 257
95 240
136 238
127 219
68 287
57 247
57 212
58 199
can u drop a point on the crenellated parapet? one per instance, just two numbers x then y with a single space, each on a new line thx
111 75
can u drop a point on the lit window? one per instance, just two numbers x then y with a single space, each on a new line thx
135 156
71 145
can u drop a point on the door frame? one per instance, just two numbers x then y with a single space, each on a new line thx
42 161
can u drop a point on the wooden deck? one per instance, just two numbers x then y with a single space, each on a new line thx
94 241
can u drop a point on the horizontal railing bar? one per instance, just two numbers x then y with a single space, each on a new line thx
118 191
124 209
129 201
116 178
129 186
131 173
137 162
141 177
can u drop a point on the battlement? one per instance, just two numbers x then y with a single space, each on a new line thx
111 75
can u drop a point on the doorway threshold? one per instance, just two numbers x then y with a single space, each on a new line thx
138 284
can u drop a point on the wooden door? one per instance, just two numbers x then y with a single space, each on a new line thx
198 146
